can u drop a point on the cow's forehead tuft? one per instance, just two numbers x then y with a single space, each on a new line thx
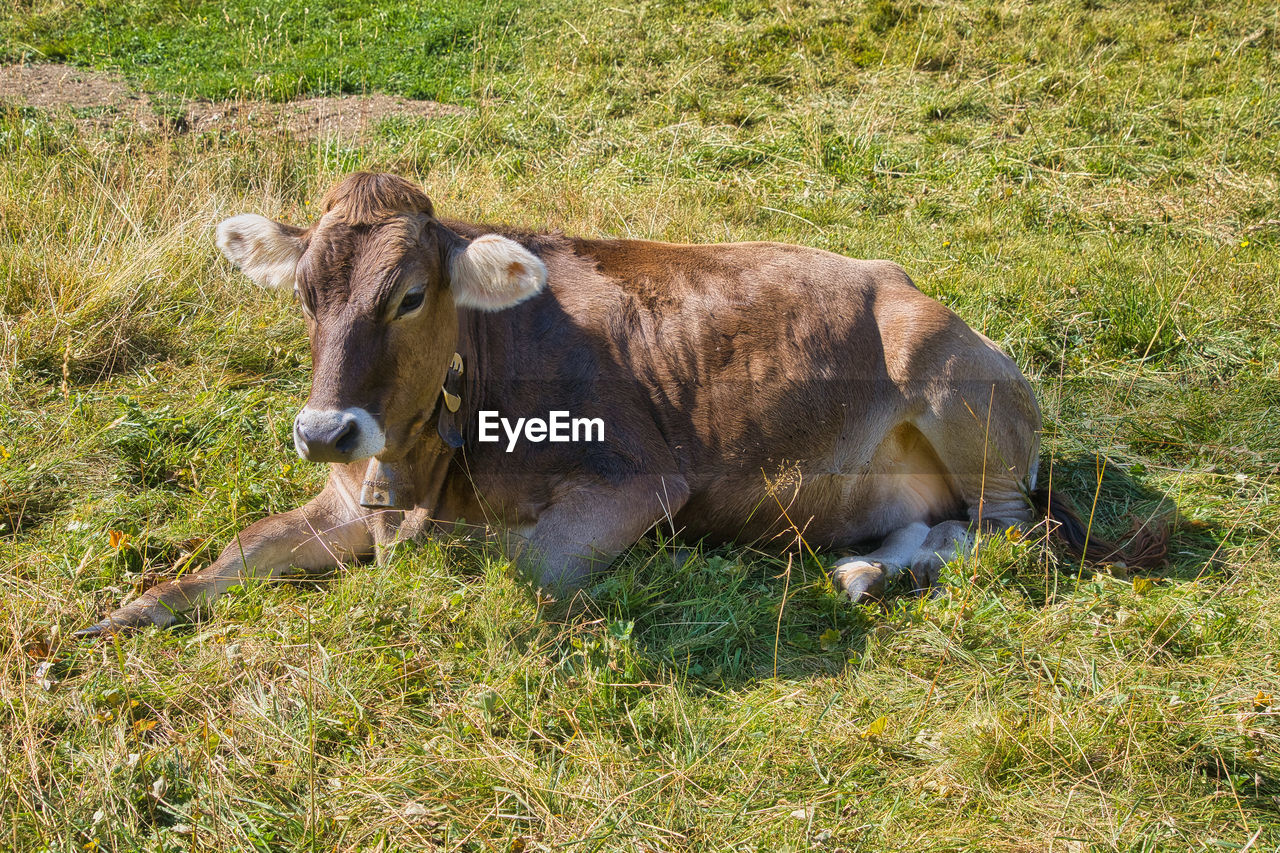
369 198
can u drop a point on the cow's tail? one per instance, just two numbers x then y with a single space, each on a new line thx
1147 543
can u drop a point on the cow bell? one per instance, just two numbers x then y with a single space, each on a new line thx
385 487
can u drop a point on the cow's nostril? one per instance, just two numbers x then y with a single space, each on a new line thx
347 439
337 435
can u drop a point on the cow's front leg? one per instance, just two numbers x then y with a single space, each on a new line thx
590 525
319 535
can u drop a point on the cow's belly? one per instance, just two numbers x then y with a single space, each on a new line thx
834 501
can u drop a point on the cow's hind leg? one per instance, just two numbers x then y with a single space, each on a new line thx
864 577
986 434
945 542
919 548
951 539
924 550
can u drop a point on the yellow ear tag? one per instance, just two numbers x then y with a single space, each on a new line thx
452 402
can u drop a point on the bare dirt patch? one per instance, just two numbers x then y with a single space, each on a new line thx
60 88
346 115
95 100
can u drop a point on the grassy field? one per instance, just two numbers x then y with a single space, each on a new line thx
1093 185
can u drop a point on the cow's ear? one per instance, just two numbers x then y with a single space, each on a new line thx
492 273
265 251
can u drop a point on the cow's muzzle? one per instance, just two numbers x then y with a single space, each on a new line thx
337 435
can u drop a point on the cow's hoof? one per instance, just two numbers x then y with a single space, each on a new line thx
925 573
134 615
863 581
106 626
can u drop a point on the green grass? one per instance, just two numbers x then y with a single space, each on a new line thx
1094 186
276 49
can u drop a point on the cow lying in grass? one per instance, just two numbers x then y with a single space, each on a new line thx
742 391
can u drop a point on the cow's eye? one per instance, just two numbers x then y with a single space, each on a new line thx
412 301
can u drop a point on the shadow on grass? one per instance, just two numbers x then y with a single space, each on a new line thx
1114 494
720 617
724 616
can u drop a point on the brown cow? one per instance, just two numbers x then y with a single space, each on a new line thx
744 390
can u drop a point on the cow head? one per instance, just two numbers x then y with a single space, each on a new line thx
379 279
